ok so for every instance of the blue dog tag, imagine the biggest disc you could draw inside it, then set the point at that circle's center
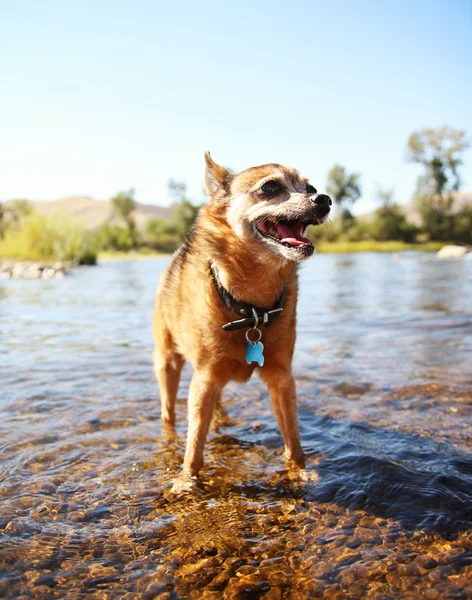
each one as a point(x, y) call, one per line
point(254, 353)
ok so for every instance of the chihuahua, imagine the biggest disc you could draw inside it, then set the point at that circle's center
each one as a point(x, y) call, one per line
point(227, 302)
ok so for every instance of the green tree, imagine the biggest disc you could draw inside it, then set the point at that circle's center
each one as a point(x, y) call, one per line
point(158, 227)
point(12, 213)
point(389, 222)
point(21, 207)
point(161, 235)
point(345, 189)
point(463, 225)
point(114, 237)
point(185, 211)
point(123, 205)
point(439, 151)
point(184, 217)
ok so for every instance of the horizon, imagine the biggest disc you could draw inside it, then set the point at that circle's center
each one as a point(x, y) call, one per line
point(175, 201)
point(106, 98)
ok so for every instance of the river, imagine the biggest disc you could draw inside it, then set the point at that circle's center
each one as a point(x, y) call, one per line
point(384, 374)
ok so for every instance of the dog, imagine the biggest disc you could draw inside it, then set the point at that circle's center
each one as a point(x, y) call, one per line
point(227, 302)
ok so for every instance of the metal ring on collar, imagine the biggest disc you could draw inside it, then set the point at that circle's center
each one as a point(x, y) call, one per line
point(258, 338)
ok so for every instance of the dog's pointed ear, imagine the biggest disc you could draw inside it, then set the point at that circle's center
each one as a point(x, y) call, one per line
point(217, 178)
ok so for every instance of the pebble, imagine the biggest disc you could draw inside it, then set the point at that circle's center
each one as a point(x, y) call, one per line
point(22, 525)
point(32, 270)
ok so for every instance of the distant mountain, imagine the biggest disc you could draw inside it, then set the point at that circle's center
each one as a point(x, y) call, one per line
point(94, 213)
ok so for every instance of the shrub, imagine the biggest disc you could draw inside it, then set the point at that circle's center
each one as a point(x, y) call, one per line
point(391, 224)
point(114, 237)
point(463, 225)
point(47, 237)
point(161, 235)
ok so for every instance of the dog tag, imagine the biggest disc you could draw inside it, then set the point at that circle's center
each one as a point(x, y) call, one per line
point(254, 353)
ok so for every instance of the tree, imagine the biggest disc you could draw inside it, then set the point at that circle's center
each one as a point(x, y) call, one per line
point(123, 205)
point(185, 212)
point(185, 215)
point(177, 189)
point(161, 234)
point(389, 222)
point(385, 197)
point(439, 151)
point(115, 237)
point(21, 207)
point(12, 213)
point(345, 189)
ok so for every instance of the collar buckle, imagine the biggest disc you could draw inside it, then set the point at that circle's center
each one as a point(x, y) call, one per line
point(254, 315)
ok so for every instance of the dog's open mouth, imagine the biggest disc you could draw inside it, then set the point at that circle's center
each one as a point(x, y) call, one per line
point(288, 233)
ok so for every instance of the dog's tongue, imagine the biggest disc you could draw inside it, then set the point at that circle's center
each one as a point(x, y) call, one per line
point(291, 235)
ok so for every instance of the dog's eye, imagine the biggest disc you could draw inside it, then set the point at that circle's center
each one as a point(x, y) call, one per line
point(271, 188)
point(310, 189)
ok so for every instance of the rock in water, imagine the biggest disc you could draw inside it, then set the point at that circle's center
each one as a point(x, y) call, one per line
point(452, 251)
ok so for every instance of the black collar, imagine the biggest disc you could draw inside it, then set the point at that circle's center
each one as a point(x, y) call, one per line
point(254, 316)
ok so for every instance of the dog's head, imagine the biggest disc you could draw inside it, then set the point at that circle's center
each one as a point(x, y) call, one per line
point(270, 205)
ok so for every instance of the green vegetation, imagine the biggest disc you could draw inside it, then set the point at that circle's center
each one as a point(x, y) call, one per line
point(11, 215)
point(26, 235)
point(131, 254)
point(344, 189)
point(159, 235)
point(374, 246)
point(115, 237)
point(439, 152)
point(52, 237)
point(166, 236)
point(123, 206)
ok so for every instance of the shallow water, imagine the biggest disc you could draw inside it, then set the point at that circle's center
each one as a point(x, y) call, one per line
point(384, 374)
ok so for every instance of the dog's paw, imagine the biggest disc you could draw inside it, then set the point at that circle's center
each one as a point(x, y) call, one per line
point(307, 476)
point(184, 484)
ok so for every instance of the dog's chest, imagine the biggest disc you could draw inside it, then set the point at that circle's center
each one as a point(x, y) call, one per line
point(235, 357)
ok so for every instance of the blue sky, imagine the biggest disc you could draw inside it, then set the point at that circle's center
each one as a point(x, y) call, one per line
point(101, 96)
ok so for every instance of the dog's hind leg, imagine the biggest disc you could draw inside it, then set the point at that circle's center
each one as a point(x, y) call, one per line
point(220, 416)
point(168, 365)
point(203, 396)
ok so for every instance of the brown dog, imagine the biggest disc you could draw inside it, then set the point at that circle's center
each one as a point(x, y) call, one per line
point(241, 255)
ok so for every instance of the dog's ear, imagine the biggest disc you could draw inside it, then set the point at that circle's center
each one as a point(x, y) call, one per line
point(217, 178)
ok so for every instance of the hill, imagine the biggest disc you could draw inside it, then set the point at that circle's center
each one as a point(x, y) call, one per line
point(94, 213)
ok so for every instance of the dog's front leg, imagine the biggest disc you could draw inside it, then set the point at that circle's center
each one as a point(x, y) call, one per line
point(283, 396)
point(202, 398)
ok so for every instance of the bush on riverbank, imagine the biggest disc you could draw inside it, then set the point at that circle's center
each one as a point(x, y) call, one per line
point(48, 237)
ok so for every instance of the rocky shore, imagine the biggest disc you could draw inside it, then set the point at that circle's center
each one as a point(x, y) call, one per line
point(11, 269)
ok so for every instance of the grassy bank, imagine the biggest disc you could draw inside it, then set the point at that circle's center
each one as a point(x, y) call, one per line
point(324, 247)
point(373, 246)
point(106, 255)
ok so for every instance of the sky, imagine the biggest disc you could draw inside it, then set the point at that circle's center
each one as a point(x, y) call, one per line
point(97, 97)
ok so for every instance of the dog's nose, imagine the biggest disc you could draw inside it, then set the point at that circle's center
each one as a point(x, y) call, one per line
point(322, 200)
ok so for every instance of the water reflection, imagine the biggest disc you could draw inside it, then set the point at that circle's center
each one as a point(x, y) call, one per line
point(383, 363)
